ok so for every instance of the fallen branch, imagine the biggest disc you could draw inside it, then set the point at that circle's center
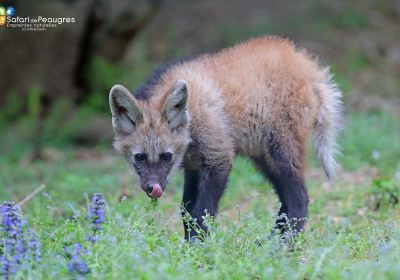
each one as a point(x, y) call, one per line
point(31, 195)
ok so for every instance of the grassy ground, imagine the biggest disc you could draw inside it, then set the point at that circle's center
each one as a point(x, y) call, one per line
point(353, 229)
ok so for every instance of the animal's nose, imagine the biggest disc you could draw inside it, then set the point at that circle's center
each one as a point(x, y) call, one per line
point(149, 187)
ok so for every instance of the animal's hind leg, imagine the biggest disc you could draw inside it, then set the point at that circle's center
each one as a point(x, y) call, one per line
point(284, 169)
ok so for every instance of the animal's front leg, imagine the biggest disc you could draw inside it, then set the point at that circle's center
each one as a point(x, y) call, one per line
point(211, 185)
point(190, 191)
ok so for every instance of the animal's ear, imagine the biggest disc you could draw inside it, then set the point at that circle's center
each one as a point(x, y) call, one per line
point(175, 106)
point(125, 111)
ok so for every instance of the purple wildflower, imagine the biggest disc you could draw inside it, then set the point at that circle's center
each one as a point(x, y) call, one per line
point(11, 222)
point(16, 246)
point(96, 215)
point(13, 250)
point(92, 238)
point(7, 267)
point(34, 247)
point(76, 264)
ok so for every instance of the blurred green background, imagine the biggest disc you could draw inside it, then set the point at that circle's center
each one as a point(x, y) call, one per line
point(54, 83)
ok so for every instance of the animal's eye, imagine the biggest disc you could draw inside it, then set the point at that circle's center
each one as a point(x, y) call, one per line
point(140, 157)
point(166, 156)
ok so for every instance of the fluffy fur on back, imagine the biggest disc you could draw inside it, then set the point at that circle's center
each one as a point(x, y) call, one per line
point(264, 84)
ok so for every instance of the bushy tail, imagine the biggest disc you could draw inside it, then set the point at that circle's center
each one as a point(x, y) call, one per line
point(328, 123)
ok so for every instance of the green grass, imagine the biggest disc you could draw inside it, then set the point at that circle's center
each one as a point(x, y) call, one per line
point(347, 236)
point(371, 139)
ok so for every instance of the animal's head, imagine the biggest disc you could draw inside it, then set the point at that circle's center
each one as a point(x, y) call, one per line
point(153, 138)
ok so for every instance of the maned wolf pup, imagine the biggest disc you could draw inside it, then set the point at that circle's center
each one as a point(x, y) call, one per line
point(261, 98)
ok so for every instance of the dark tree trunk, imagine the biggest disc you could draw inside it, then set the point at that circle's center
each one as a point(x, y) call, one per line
point(56, 60)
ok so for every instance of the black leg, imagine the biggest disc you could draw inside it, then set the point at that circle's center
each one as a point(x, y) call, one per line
point(294, 201)
point(211, 185)
point(190, 191)
point(292, 193)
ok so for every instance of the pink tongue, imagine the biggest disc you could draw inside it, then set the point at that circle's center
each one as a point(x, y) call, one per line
point(157, 191)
